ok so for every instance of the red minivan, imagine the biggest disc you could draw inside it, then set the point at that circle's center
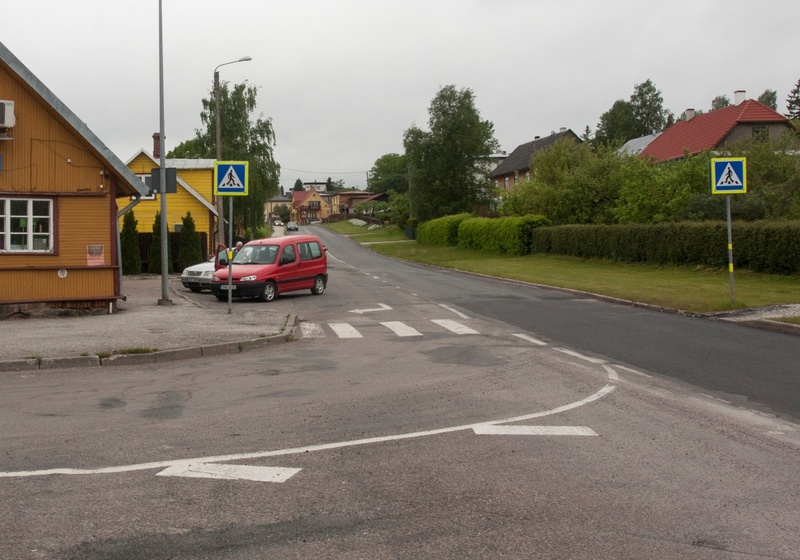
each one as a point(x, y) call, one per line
point(264, 268)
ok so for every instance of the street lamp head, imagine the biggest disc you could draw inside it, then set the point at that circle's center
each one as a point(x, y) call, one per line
point(245, 59)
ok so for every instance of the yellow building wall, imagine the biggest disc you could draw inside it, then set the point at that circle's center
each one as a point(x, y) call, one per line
point(201, 180)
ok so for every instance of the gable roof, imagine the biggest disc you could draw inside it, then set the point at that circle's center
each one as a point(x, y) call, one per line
point(184, 164)
point(520, 159)
point(635, 146)
point(128, 183)
point(709, 130)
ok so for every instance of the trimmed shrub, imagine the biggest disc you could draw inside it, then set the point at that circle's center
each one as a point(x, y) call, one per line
point(770, 247)
point(441, 231)
point(129, 241)
point(189, 250)
point(511, 235)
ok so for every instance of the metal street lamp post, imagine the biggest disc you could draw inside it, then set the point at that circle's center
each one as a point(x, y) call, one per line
point(220, 210)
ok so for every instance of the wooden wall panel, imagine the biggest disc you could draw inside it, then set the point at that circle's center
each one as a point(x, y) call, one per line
point(45, 285)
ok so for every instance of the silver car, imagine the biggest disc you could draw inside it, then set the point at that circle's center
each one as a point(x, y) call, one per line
point(198, 276)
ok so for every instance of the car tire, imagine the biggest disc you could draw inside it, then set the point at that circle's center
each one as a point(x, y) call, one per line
point(269, 293)
point(319, 285)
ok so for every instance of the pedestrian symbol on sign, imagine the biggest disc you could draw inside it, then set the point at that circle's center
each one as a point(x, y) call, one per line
point(230, 178)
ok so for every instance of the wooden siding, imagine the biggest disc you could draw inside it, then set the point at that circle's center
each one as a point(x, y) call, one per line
point(45, 156)
point(42, 285)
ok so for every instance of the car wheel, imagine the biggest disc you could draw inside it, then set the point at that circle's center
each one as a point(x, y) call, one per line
point(319, 286)
point(269, 292)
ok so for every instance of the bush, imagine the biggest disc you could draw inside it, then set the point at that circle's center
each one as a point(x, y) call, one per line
point(510, 235)
point(441, 231)
point(129, 241)
point(189, 250)
point(769, 247)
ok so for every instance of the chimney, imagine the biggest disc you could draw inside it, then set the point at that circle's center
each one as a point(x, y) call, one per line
point(689, 114)
point(739, 96)
point(156, 145)
point(562, 129)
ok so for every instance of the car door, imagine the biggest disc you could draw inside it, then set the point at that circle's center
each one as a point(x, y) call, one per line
point(289, 276)
point(312, 261)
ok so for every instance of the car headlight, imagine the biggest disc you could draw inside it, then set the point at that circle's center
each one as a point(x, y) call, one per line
point(249, 278)
point(215, 278)
point(208, 273)
point(185, 272)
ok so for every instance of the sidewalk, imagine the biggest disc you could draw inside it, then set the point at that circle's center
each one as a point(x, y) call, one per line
point(140, 323)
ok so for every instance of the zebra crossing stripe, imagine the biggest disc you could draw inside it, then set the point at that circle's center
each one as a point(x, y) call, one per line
point(453, 326)
point(312, 330)
point(345, 330)
point(401, 329)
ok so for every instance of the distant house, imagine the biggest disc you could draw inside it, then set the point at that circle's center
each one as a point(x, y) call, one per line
point(60, 192)
point(747, 118)
point(516, 167)
point(308, 206)
point(195, 188)
point(344, 203)
point(271, 206)
point(635, 146)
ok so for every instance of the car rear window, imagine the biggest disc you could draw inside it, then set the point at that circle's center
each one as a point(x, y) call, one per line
point(309, 250)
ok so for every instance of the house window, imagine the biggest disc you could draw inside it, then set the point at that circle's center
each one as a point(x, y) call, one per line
point(760, 133)
point(147, 180)
point(506, 183)
point(26, 225)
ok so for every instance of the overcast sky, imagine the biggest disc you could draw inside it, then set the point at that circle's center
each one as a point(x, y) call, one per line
point(343, 79)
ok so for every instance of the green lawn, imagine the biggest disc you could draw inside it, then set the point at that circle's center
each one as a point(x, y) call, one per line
point(695, 290)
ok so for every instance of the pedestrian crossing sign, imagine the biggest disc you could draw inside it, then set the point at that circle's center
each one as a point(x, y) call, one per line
point(231, 178)
point(728, 175)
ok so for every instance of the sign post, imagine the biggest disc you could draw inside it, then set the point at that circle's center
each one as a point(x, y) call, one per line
point(729, 176)
point(231, 178)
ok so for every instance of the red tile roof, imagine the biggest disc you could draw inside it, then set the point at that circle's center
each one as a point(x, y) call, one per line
point(707, 131)
point(298, 197)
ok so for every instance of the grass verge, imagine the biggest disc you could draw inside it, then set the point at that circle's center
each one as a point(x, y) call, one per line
point(696, 290)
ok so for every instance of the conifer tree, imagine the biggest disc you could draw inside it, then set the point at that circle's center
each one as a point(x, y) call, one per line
point(189, 251)
point(129, 241)
point(154, 259)
point(793, 103)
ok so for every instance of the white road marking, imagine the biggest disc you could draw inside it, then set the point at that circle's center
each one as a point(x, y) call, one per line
point(581, 356)
point(456, 311)
point(633, 371)
point(530, 339)
point(312, 330)
point(452, 326)
point(534, 430)
point(381, 307)
point(309, 448)
point(401, 329)
point(345, 330)
point(230, 472)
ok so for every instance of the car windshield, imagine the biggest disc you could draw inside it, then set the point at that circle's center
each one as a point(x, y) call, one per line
point(256, 254)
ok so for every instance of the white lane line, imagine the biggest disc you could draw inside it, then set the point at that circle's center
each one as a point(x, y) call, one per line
point(456, 311)
point(581, 356)
point(452, 326)
point(633, 371)
point(309, 448)
point(230, 472)
point(312, 330)
point(530, 339)
point(401, 329)
point(345, 330)
point(534, 430)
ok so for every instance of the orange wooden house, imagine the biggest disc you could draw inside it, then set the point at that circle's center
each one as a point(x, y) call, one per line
point(59, 189)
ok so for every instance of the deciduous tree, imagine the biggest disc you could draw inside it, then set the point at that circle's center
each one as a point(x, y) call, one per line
point(389, 173)
point(449, 165)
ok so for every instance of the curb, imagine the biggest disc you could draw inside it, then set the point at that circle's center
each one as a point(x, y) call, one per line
point(162, 356)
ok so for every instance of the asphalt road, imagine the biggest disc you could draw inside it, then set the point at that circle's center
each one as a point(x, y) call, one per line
point(428, 431)
point(748, 367)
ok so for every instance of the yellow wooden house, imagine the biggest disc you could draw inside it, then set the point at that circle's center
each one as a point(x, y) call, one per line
point(195, 194)
point(60, 191)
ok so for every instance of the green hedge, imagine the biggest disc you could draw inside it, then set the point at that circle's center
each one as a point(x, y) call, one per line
point(771, 247)
point(441, 231)
point(510, 235)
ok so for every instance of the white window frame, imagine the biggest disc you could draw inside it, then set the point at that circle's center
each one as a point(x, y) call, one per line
point(35, 241)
